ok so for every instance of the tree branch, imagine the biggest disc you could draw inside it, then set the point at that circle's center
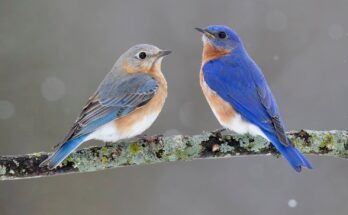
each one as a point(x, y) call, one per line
point(149, 150)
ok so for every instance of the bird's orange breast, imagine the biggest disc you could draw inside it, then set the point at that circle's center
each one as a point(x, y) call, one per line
point(223, 111)
point(126, 123)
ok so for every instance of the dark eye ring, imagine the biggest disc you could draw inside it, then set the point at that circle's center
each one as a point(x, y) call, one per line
point(142, 55)
point(222, 35)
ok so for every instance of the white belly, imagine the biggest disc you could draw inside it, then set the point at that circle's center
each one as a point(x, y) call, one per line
point(238, 124)
point(140, 126)
point(241, 126)
point(110, 133)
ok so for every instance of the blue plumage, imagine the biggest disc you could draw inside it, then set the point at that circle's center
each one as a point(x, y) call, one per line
point(64, 150)
point(237, 79)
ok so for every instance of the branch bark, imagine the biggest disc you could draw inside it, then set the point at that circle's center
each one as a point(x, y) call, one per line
point(149, 150)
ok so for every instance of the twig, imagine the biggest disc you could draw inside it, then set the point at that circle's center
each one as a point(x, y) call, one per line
point(149, 150)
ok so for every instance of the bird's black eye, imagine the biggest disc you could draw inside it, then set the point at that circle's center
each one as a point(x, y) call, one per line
point(142, 55)
point(222, 35)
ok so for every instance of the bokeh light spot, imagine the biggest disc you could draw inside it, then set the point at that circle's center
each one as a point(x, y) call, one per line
point(292, 203)
point(52, 89)
point(7, 109)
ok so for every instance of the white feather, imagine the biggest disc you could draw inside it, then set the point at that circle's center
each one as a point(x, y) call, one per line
point(110, 133)
point(238, 124)
point(241, 126)
point(106, 133)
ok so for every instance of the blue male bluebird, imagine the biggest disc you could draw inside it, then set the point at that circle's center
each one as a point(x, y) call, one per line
point(126, 103)
point(238, 93)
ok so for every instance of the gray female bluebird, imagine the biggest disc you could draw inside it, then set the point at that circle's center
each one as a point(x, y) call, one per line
point(126, 103)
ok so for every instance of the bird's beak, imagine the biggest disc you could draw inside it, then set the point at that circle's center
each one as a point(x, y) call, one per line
point(206, 33)
point(163, 53)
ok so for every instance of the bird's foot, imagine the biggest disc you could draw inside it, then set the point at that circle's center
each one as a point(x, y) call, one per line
point(219, 131)
point(148, 139)
point(109, 144)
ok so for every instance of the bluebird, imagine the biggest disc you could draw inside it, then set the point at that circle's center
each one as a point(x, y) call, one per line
point(238, 93)
point(126, 103)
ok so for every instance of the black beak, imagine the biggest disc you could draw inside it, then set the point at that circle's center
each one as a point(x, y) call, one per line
point(163, 53)
point(206, 32)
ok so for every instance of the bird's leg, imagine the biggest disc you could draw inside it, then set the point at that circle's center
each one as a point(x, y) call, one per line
point(146, 138)
point(219, 131)
point(109, 144)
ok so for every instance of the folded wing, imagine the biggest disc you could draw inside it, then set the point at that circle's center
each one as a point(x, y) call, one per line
point(116, 97)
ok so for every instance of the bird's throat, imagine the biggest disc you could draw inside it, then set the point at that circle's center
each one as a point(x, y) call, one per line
point(211, 52)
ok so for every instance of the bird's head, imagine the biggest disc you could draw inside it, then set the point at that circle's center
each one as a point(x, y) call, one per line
point(142, 58)
point(219, 40)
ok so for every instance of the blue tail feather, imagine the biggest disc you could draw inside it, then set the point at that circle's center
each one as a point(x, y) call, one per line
point(293, 156)
point(63, 151)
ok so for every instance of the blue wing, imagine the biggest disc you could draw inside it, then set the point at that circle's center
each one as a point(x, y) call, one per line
point(116, 97)
point(242, 84)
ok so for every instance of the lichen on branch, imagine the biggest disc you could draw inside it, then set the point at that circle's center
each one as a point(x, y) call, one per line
point(155, 149)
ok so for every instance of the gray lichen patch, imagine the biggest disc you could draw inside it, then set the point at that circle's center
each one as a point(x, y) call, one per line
point(180, 147)
point(173, 148)
point(2, 170)
point(253, 144)
point(321, 142)
point(225, 148)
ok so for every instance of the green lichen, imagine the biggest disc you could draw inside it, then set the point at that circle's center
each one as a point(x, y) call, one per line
point(104, 150)
point(228, 137)
point(299, 143)
point(181, 155)
point(69, 159)
point(171, 146)
point(37, 154)
point(134, 148)
point(182, 148)
point(252, 144)
point(328, 142)
point(336, 143)
point(193, 151)
point(105, 160)
point(259, 143)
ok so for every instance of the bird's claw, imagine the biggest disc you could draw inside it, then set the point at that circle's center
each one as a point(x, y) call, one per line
point(219, 130)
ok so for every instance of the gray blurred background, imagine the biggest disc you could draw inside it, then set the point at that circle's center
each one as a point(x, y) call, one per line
point(53, 54)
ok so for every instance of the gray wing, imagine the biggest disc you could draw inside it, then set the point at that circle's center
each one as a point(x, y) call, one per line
point(116, 96)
